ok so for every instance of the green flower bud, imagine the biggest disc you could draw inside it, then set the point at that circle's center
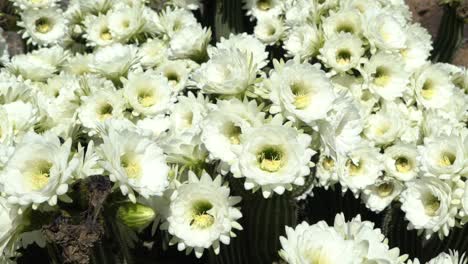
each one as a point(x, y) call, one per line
point(135, 215)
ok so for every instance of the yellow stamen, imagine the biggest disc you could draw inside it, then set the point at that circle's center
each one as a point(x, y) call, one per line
point(328, 163)
point(39, 174)
point(43, 25)
point(264, 5)
point(385, 189)
point(131, 166)
point(270, 159)
point(354, 169)
point(431, 205)
point(403, 165)
point(447, 159)
point(146, 99)
point(427, 91)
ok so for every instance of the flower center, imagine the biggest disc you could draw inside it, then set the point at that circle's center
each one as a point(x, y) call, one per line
point(43, 25)
point(301, 95)
point(233, 133)
point(201, 219)
point(353, 168)
point(173, 77)
point(105, 34)
point(105, 111)
point(431, 205)
point(126, 24)
point(328, 163)
point(39, 174)
point(345, 28)
point(146, 98)
point(343, 57)
point(381, 76)
point(382, 129)
point(427, 91)
point(447, 159)
point(131, 165)
point(264, 5)
point(270, 159)
point(316, 256)
point(385, 189)
point(403, 165)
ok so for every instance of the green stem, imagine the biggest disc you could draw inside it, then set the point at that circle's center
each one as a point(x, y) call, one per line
point(449, 36)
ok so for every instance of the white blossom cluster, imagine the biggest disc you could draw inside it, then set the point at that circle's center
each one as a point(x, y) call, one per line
point(350, 242)
point(392, 125)
point(116, 88)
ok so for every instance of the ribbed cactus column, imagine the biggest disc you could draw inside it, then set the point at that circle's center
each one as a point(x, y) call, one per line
point(450, 35)
point(264, 221)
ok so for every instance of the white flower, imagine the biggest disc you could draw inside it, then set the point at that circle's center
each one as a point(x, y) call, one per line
point(10, 226)
point(190, 43)
point(152, 53)
point(274, 158)
point(298, 12)
point(79, 64)
point(44, 26)
point(316, 243)
point(303, 42)
point(442, 156)
point(326, 171)
point(385, 31)
point(172, 21)
point(386, 76)
point(187, 4)
point(87, 162)
point(427, 206)
point(177, 73)
point(452, 258)
point(401, 161)
point(433, 87)
point(115, 60)
point(262, 8)
point(39, 64)
point(125, 23)
point(224, 125)
point(38, 171)
point(247, 44)
point(360, 169)
point(100, 106)
point(185, 151)
point(6, 128)
point(155, 127)
point(21, 116)
point(97, 32)
point(342, 52)
point(344, 21)
point(187, 115)
point(301, 91)
point(95, 6)
point(385, 126)
point(269, 30)
point(378, 196)
point(202, 214)
point(341, 131)
point(370, 245)
point(34, 4)
point(418, 47)
point(148, 93)
point(135, 164)
point(228, 72)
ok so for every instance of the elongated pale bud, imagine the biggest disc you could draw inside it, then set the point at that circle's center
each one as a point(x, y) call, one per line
point(135, 215)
